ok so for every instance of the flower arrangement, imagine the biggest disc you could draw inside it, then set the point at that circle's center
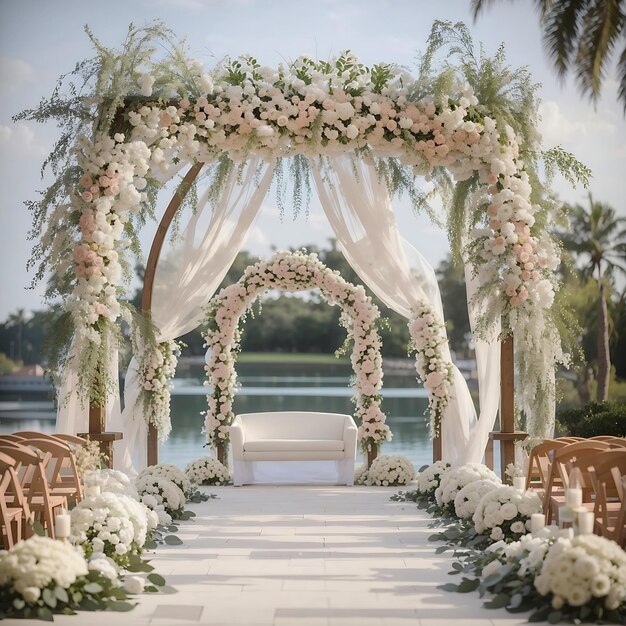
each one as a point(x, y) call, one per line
point(468, 498)
point(40, 576)
point(207, 471)
point(156, 369)
point(294, 271)
point(109, 523)
point(112, 481)
point(430, 477)
point(169, 471)
point(506, 512)
point(360, 474)
point(457, 478)
point(432, 362)
point(88, 457)
point(388, 471)
point(585, 571)
point(164, 491)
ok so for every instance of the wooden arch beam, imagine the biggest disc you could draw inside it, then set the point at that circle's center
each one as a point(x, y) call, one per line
point(148, 279)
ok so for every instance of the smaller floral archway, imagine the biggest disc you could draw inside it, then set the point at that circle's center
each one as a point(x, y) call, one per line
point(294, 271)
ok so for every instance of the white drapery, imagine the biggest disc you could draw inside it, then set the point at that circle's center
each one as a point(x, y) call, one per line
point(185, 281)
point(358, 206)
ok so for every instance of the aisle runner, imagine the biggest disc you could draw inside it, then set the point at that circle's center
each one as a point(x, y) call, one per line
point(296, 556)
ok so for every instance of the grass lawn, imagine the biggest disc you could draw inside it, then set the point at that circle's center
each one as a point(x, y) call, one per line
point(288, 357)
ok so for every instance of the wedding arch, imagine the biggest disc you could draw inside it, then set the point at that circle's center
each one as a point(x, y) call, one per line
point(294, 271)
point(361, 134)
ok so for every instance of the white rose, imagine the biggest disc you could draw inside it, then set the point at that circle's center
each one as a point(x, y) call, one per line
point(497, 534)
point(518, 527)
point(31, 594)
point(508, 510)
point(133, 584)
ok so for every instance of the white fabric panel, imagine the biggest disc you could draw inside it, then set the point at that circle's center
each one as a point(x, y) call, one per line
point(297, 445)
point(359, 209)
point(188, 276)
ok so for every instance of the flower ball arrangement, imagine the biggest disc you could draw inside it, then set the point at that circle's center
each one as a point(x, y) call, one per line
point(457, 478)
point(207, 471)
point(468, 498)
point(429, 479)
point(505, 512)
point(169, 471)
point(388, 471)
point(164, 491)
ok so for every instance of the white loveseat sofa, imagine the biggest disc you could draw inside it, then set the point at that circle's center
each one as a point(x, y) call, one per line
point(292, 436)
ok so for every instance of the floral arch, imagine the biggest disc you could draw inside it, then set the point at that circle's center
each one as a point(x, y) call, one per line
point(362, 134)
point(294, 271)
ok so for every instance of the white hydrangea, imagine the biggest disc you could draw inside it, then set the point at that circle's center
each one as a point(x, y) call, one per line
point(468, 498)
point(207, 471)
point(112, 481)
point(577, 571)
point(360, 475)
point(167, 470)
point(164, 491)
point(506, 512)
point(387, 471)
point(100, 562)
point(111, 523)
point(429, 479)
point(458, 477)
point(33, 564)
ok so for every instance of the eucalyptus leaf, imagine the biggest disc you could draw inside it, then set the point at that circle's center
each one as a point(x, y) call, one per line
point(555, 617)
point(49, 597)
point(468, 584)
point(499, 601)
point(61, 595)
point(45, 614)
point(448, 587)
point(172, 540)
point(18, 603)
point(156, 579)
point(168, 590)
point(121, 607)
point(93, 588)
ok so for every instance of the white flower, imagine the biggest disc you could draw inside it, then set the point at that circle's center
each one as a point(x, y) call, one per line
point(31, 595)
point(164, 491)
point(146, 82)
point(390, 471)
point(428, 480)
point(134, 584)
point(459, 477)
point(167, 470)
point(207, 471)
point(468, 497)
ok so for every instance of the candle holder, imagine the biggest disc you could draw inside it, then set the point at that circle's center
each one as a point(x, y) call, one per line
point(519, 482)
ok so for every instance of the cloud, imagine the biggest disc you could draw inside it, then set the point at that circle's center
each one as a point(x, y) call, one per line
point(20, 141)
point(15, 73)
point(555, 127)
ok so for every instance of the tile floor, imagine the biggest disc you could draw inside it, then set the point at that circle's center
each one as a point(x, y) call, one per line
point(303, 556)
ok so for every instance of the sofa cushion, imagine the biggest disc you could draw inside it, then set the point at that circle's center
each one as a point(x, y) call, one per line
point(293, 425)
point(292, 445)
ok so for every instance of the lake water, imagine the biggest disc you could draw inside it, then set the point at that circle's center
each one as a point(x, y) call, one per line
point(265, 387)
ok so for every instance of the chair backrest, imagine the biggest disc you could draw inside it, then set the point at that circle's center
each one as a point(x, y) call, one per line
point(563, 458)
point(540, 460)
point(29, 469)
point(71, 439)
point(11, 437)
point(58, 455)
point(617, 442)
point(10, 484)
point(608, 477)
point(30, 434)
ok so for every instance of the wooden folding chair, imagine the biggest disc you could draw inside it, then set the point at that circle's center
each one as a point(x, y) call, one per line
point(15, 515)
point(11, 437)
point(74, 440)
point(59, 457)
point(539, 463)
point(608, 477)
point(32, 479)
point(554, 494)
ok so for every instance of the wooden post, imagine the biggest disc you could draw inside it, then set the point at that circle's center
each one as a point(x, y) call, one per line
point(437, 451)
point(97, 432)
point(371, 456)
point(507, 402)
point(148, 279)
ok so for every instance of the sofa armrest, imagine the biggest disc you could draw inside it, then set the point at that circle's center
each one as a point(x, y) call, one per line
point(350, 432)
point(237, 437)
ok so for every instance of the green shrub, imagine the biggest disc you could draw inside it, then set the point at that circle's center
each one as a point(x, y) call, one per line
point(597, 418)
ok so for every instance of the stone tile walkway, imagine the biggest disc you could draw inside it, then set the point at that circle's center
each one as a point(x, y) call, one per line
point(304, 556)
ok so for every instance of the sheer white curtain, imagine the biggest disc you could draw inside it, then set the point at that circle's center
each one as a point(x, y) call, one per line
point(359, 209)
point(186, 279)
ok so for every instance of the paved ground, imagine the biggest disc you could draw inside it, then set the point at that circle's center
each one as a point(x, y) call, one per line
point(304, 556)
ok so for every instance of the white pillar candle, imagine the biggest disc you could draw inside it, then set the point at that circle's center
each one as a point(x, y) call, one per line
point(586, 521)
point(519, 482)
point(573, 497)
point(537, 522)
point(62, 525)
point(92, 490)
point(566, 515)
point(566, 533)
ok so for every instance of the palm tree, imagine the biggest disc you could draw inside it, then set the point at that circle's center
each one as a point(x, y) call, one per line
point(581, 35)
point(598, 239)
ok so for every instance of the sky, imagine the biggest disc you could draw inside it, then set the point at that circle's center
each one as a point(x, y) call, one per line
point(41, 39)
